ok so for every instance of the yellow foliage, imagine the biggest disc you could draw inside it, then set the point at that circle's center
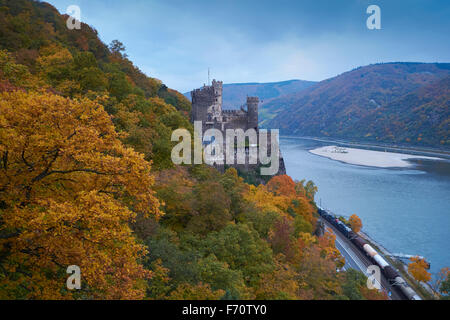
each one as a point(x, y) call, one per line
point(418, 269)
point(279, 284)
point(265, 200)
point(355, 223)
point(68, 186)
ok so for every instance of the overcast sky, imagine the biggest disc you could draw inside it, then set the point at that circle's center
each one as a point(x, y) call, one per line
point(265, 41)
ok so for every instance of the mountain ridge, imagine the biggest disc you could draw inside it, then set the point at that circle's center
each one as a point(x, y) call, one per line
point(336, 107)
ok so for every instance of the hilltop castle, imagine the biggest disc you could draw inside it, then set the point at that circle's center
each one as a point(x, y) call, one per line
point(207, 108)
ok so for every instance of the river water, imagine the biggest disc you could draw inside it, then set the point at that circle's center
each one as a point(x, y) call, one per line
point(405, 210)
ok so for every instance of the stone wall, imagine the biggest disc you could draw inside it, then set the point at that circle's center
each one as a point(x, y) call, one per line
point(207, 107)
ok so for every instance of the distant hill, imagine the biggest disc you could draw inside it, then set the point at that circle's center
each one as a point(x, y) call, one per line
point(402, 103)
point(235, 94)
point(419, 117)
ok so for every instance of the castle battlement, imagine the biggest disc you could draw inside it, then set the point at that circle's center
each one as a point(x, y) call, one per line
point(236, 112)
point(207, 107)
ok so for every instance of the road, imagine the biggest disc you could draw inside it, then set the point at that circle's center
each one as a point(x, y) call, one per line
point(357, 260)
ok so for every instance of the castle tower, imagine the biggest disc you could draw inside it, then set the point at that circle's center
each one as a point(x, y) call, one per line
point(218, 89)
point(252, 112)
point(207, 103)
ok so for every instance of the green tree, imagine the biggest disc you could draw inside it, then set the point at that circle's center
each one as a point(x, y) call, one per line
point(211, 208)
point(118, 48)
point(219, 276)
point(242, 249)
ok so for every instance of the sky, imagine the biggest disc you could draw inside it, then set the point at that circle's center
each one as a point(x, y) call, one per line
point(240, 41)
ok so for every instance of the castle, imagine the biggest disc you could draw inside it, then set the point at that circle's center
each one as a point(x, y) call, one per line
point(207, 108)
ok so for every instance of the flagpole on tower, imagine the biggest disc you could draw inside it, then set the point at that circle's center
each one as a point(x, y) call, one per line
point(208, 78)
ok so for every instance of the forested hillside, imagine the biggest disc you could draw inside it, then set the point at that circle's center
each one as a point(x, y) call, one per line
point(86, 179)
point(401, 103)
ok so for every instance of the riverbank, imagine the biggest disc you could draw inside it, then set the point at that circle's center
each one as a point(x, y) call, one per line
point(416, 150)
point(369, 158)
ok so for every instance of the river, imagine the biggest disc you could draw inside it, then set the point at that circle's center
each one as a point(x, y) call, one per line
point(406, 210)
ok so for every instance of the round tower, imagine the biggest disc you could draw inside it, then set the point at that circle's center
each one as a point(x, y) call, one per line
point(252, 112)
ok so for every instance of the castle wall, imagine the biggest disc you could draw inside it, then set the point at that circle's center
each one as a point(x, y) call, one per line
point(202, 99)
point(207, 107)
point(240, 123)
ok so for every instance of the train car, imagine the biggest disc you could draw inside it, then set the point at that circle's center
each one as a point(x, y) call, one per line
point(335, 222)
point(369, 250)
point(390, 273)
point(348, 231)
point(380, 261)
point(359, 242)
point(406, 289)
point(344, 229)
point(352, 235)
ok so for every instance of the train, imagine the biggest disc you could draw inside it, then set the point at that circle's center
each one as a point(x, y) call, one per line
point(389, 272)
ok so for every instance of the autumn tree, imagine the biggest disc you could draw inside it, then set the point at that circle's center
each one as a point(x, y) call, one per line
point(280, 284)
point(175, 188)
point(211, 208)
point(282, 185)
point(311, 190)
point(201, 291)
point(280, 237)
point(16, 74)
point(159, 284)
point(68, 190)
point(307, 190)
point(329, 250)
point(444, 282)
point(355, 287)
point(418, 269)
point(355, 223)
point(317, 276)
point(235, 188)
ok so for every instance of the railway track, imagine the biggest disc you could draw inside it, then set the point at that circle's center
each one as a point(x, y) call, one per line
point(360, 261)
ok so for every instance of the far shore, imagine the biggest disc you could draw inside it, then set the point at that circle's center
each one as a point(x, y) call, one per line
point(420, 150)
point(368, 158)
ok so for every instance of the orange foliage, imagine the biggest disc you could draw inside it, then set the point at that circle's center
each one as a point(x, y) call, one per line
point(282, 185)
point(417, 268)
point(355, 223)
point(327, 244)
